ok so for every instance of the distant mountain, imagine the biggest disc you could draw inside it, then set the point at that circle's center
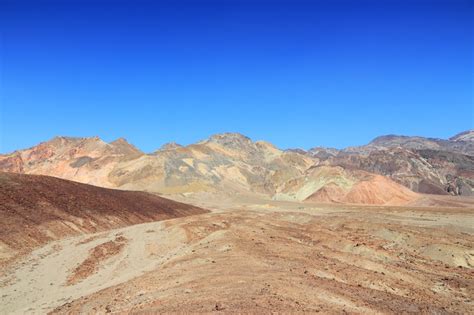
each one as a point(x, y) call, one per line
point(87, 160)
point(426, 171)
point(336, 184)
point(464, 136)
point(231, 163)
point(458, 144)
point(225, 163)
point(426, 165)
point(169, 146)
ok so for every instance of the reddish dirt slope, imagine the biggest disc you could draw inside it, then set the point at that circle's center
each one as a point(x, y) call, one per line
point(379, 190)
point(370, 190)
point(36, 209)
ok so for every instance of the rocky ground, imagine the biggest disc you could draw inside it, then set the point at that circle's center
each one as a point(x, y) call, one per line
point(258, 257)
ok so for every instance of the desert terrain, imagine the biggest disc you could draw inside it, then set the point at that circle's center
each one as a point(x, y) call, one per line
point(233, 225)
point(256, 256)
point(236, 157)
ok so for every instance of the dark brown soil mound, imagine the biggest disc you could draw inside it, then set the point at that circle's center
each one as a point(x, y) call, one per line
point(96, 256)
point(36, 209)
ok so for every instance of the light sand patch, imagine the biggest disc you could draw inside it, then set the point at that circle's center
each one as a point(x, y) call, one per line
point(449, 254)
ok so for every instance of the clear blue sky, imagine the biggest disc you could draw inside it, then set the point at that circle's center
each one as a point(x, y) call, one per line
point(296, 73)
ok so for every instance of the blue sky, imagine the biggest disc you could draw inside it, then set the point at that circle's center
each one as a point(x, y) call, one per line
point(296, 73)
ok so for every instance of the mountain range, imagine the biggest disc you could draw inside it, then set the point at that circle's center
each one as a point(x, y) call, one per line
point(390, 170)
point(243, 227)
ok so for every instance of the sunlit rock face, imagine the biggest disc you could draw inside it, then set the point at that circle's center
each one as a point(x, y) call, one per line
point(233, 164)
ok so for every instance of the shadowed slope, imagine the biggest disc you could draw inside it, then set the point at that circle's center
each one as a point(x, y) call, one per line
point(36, 209)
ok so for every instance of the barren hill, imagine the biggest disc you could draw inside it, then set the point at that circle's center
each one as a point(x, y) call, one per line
point(336, 184)
point(86, 160)
point(460, 143)
point(36, 209)
point(424, 165)
point(225, 163)
point(467, 135)
point(230, 163)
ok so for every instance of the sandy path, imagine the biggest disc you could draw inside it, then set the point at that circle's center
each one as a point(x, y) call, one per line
point(39, 282)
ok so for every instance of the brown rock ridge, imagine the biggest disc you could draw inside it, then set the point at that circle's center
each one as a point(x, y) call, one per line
point(37, 209)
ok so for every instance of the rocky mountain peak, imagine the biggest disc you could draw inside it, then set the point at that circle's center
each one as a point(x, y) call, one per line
point(120, 141)
point(386, 139)
point(467, 135)
point(231, 139)
point(122, 146)
point(170, 146)
point(62, 140)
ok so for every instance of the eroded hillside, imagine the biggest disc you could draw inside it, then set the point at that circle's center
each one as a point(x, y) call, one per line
point(230, 163)
point(37, 209)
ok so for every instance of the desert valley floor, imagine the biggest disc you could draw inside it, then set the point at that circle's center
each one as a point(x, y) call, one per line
point(256, 256)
